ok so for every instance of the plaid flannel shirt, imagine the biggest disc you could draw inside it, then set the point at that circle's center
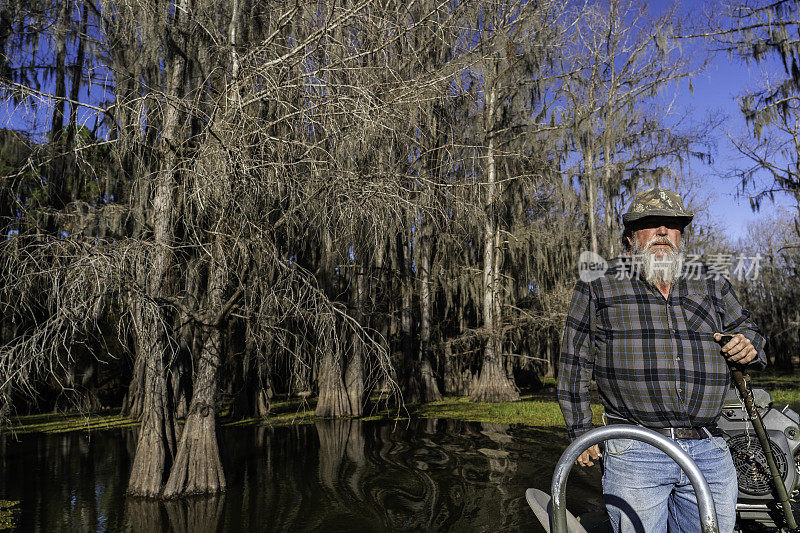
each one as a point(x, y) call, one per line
point(655, 360)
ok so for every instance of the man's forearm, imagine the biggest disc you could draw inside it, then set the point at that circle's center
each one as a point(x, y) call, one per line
point(577, 412)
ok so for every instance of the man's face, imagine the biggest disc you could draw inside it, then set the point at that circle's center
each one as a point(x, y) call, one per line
point(656, 230)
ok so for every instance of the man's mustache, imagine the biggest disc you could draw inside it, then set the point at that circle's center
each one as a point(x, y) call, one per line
point(659, 240)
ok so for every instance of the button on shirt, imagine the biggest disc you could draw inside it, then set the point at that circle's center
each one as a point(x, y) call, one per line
point(654, 359)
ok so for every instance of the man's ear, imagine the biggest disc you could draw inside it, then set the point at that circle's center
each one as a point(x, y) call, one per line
point(629, 238)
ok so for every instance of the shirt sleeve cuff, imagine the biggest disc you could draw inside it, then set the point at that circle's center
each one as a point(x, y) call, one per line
point(760, 362)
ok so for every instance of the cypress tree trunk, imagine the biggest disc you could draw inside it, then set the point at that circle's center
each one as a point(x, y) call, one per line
point(457, 379)
point(262, 373)
point(333, 400)
point(57, 187)
point(242, 383)
point(380, 316)
point(354, 373)
point(189, 344)
point(429, 388)
point(88, 390)
point(301, 378)
point(264, 391)
point(591, 194)
point(492, 384)
point(449, 367)
point(179, 376)
point(612, 236)
point(412, 389)
point(77, 70)
point(133, 403)
point(156, 443)
point(197, 468)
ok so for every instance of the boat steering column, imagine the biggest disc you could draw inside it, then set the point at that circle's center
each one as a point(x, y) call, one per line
point(553, 515)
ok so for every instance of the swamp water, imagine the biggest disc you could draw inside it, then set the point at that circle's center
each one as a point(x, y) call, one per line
point(333, 475)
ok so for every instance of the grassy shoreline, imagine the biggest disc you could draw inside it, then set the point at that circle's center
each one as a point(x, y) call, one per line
point(535, 409)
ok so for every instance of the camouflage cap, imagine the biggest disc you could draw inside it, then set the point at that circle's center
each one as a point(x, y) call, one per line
point(656, 202)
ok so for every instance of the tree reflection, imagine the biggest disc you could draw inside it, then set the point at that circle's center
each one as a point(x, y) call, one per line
point(399, 485)
point(501, 469)
point(195, 515)
point(333, 475)
point(333, 437)
point(143, 515)
point(201, 514)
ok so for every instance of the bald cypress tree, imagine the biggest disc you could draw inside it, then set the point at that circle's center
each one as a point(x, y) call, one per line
point(518, 45)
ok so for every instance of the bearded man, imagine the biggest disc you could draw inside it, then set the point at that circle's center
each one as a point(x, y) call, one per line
point(649, 337)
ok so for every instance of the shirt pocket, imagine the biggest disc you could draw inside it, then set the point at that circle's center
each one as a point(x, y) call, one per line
point(615, 317)
point(699, 314)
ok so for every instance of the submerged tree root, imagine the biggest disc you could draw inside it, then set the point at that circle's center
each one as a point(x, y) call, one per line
point(197, 468)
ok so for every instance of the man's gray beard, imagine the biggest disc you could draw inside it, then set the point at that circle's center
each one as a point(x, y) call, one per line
point(664, 270)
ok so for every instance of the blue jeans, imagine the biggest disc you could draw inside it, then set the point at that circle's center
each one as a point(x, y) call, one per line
point(647, 492)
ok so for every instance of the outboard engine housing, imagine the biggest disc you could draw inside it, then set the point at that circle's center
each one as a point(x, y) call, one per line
point(756, 493)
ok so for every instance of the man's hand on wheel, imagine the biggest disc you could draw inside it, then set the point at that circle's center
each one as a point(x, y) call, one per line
point(590, 456)
point(739, 349)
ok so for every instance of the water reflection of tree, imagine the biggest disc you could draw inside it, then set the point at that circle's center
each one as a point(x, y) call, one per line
point(501, 466)
point(272, 468)
point(474, 497)
point(66, 482)
point(195, 515)
point(143, 515)
point(86, 474)
point(74, 456)
point(501, 469)
point(335, 475)
point(342, 467)
point(334, 442)
point(190, 515)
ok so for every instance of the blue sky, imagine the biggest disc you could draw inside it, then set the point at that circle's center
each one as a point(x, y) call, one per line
point(716, 91)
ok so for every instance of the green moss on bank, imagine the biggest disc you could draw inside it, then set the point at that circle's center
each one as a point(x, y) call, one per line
point(537, 409)
point(786, 397)
point(8, 514)
point(64, 422)
point(283, 419)
point(282, 413)
point(529, 411)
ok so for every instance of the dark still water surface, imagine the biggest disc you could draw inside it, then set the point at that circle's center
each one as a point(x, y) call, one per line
point(338, 475)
